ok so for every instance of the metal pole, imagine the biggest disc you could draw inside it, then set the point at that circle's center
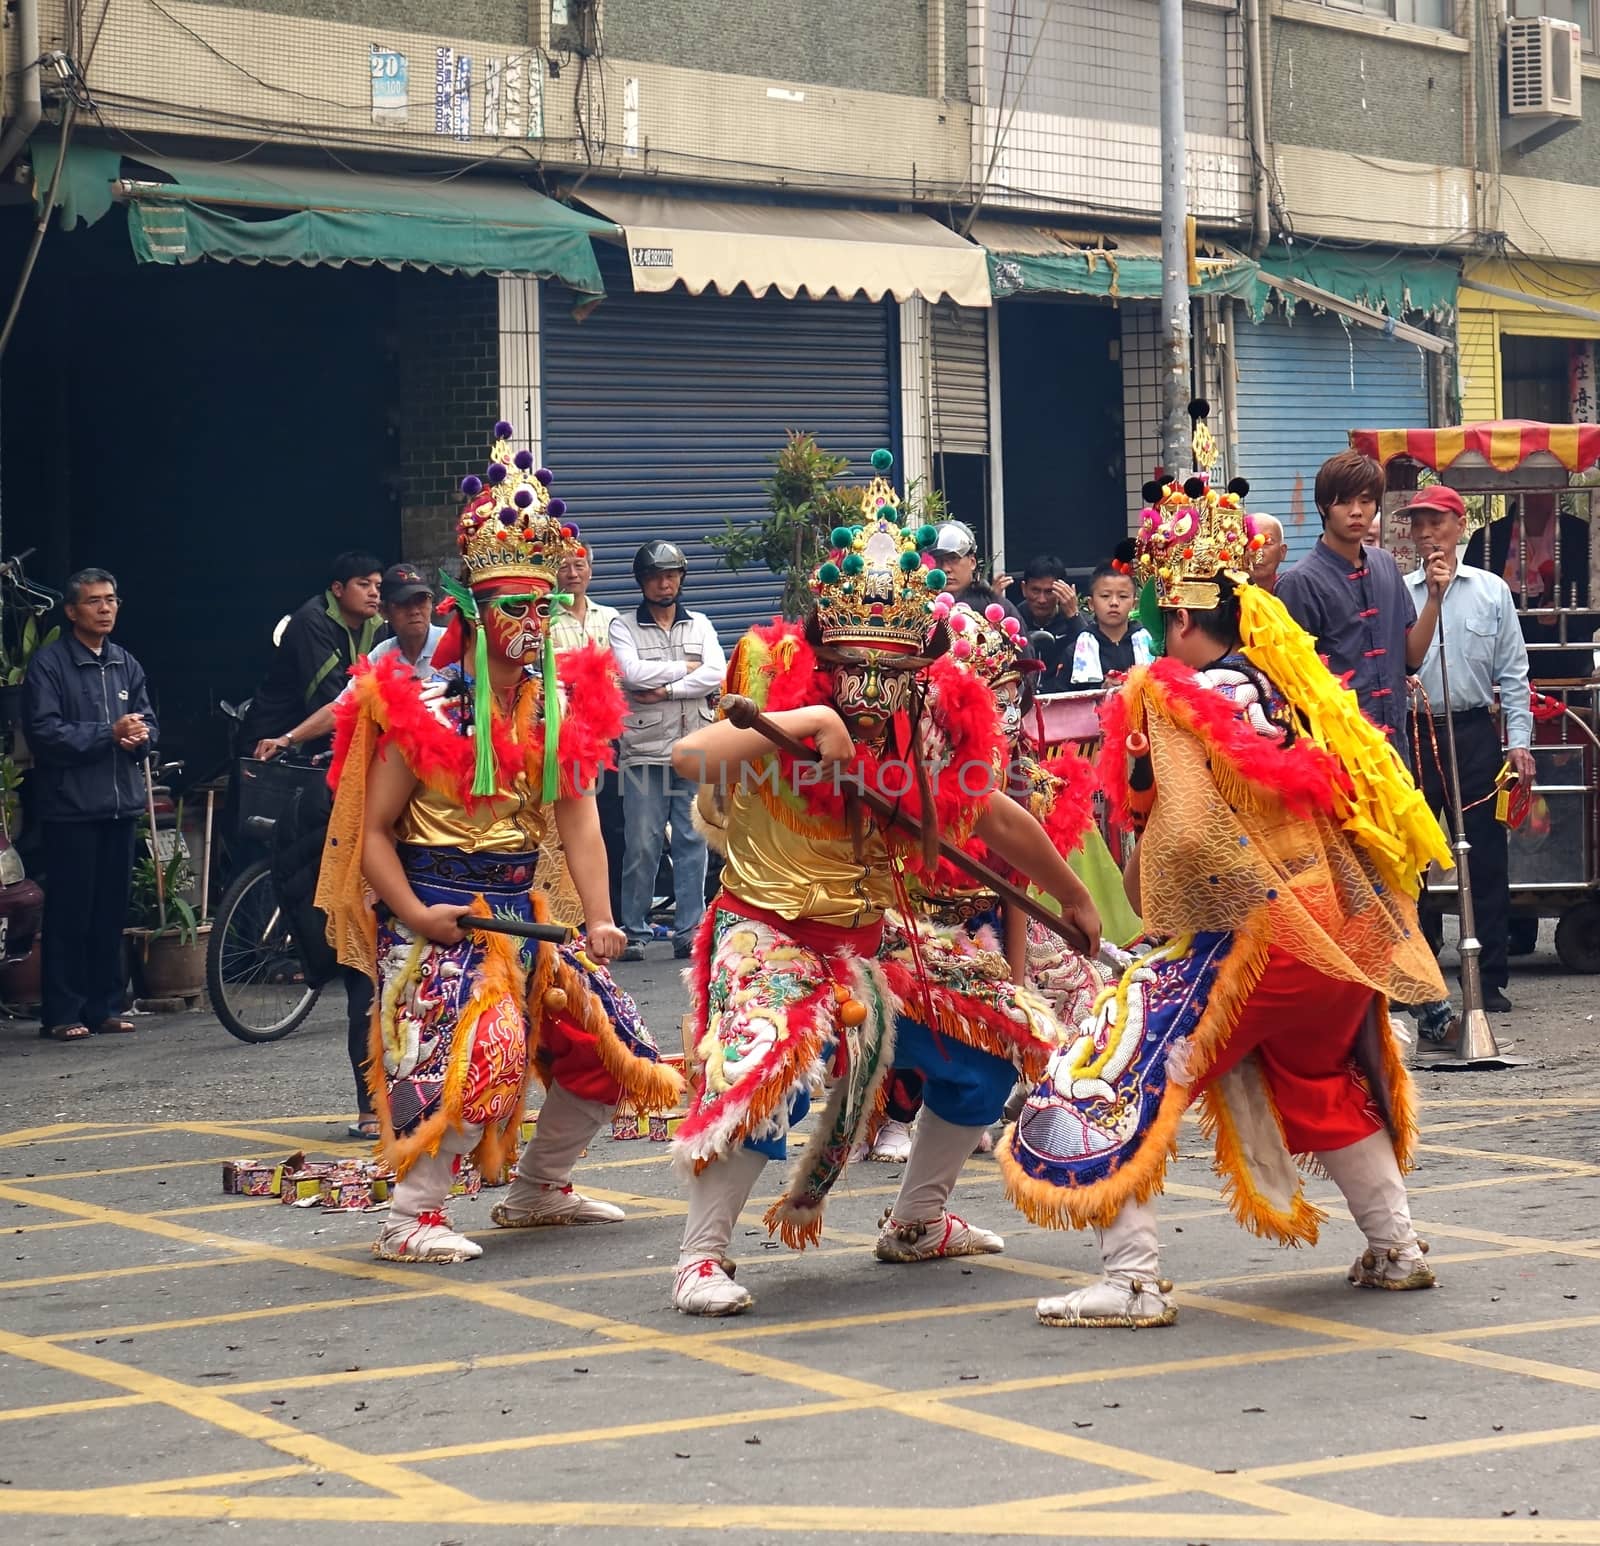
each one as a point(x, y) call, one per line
point(1475, 1047)
point(1175, 393)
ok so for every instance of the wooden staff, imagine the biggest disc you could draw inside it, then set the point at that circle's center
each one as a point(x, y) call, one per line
point(743, 713)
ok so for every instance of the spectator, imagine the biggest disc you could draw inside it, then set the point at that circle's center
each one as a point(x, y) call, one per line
point(1271, 554)
point(671, 662)
point(406, 601)
point(324, 638)
point(582, 621)
point(1486, 652)
point(87, 713)
point(1109, 644)
point(1049, 602)
point(955, 551)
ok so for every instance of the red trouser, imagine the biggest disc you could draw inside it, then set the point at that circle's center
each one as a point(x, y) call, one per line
point(571, 1056)
point(1303, 1026)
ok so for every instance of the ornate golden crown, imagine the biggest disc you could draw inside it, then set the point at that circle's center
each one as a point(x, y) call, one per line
point(988, 643)
point(512, 528)
point(874, 590)
point(1189, 533)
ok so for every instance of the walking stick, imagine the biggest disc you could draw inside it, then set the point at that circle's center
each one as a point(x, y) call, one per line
point(1475, 1044)
point(742, 712)
point(155, 838)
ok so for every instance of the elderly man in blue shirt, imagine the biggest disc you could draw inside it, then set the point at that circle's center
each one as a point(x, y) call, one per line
point(1486, 653)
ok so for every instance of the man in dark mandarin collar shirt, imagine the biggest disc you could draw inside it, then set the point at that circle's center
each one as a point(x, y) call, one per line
point(1352, 600)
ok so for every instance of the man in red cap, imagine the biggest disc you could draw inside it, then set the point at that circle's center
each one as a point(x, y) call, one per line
point(1486, 654)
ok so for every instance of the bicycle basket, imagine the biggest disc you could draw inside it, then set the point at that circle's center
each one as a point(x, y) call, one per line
point(267, 789)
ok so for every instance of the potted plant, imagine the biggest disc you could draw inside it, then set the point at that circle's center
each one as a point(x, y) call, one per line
point(170, 938)
point(14, 666)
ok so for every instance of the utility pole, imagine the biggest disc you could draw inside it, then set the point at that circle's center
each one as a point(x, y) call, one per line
point(1175, 394)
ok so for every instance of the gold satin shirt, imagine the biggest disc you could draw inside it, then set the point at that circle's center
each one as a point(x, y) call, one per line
point(515, 823)
point(809, 876)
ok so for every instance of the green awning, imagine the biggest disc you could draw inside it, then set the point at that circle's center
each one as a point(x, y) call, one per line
point(1395, 283)
point(1039, 260)
point(290, 214)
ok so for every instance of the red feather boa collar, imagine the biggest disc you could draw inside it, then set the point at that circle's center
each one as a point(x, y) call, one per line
point(962, 716)
point(1301, 776)
point(430, 739)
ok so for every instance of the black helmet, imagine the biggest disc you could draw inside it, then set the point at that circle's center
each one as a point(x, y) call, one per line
point(660, 557)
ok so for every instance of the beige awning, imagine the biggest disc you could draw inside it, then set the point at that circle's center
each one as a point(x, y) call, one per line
point(697, 242)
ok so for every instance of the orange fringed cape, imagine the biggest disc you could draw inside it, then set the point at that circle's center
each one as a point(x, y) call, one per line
point(1246, 840)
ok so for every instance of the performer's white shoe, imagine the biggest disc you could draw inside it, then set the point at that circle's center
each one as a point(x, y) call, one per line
point(533, 1204)
point(706, 1287)
point(892, 1146)
point(1130, 1294)
point(928, 1239)
point(1368, 1175)
point(429, 1237)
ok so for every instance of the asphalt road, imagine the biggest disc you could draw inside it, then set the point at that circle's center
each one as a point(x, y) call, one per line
point(176, 1364)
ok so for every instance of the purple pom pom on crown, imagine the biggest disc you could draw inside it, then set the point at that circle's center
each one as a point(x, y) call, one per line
point(495, 472)
point(523, 459)
point(572, 526)
point(544, 475)
point(558, 507)
point(522, 498)
point(508, 516)
point(503, 430)
point(472, 485)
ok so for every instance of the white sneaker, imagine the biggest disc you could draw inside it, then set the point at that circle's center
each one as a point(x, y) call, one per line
point(1131, 1302)
point(430, 1237)
point(533, 1204)
point(947, 1235)
point(1400, 1270)
point(706, 1287)
point(892, 1146)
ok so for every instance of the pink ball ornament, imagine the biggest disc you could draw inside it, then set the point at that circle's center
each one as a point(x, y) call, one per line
point(961, 649)
point(1012, 627)
point(994, 611)
point(958, 622)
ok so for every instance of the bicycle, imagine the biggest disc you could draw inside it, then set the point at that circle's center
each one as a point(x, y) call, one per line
point(255, 968)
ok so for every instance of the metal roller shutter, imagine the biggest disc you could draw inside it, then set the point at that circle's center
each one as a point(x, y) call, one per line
point(958, 407)
point(662, 412)
point(1301, 388)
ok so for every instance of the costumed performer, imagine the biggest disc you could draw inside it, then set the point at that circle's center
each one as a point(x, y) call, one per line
point(443, 795)
point(787, 990)
point(964, 917)
point(1280, 855)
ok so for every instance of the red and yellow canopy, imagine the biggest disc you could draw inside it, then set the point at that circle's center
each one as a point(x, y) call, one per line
point(1503, 443)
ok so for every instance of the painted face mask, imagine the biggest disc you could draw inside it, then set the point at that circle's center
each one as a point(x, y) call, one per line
point(870, 691)
point(1008, 696)
point(515, 627)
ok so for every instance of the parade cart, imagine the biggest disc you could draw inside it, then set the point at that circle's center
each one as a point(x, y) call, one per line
point(1065, 724)
point(1530, 491)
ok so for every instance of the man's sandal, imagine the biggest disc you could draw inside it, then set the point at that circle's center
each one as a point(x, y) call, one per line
point(73, 1032)
point(115, 1027)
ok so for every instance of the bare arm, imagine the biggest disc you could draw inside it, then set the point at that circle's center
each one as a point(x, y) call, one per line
point(719, 753)
point(1014, 834)
point(578, 823)
point(389, 785)
point(1132, 888)
point(1016, 932)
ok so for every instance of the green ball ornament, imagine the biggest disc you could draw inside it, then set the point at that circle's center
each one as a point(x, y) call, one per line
point(841, 536)
point(909, 561)
point(854, 563)
point(882, 460)
point(934, 579)
point(828, 574)
point(926, 536)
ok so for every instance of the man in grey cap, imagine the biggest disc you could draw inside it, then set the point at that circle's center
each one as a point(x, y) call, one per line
point(955, 551)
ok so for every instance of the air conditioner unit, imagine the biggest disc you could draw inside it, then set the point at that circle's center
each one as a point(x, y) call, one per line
point(1544, 74)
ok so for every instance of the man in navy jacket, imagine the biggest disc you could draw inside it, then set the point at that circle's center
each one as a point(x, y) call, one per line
point(89, 725)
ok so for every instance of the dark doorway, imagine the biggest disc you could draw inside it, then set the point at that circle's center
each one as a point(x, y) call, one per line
point(1533, 378)
point(212, 434)
point(1061, 432)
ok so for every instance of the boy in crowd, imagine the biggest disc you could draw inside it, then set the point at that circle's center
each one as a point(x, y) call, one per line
point(1108, 644)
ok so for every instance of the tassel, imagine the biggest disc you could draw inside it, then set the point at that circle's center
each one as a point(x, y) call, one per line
point(483, 768)
point(552, 704)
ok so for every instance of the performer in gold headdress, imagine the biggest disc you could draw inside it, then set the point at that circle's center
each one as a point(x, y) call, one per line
point(1280, 850)
point(444, 793)
point(787, 989)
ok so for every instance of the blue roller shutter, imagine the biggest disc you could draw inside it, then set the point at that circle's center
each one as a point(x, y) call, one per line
point(1302, 387)
point(661, 414)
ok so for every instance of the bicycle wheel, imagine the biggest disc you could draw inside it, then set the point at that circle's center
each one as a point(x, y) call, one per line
point(258, 987)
